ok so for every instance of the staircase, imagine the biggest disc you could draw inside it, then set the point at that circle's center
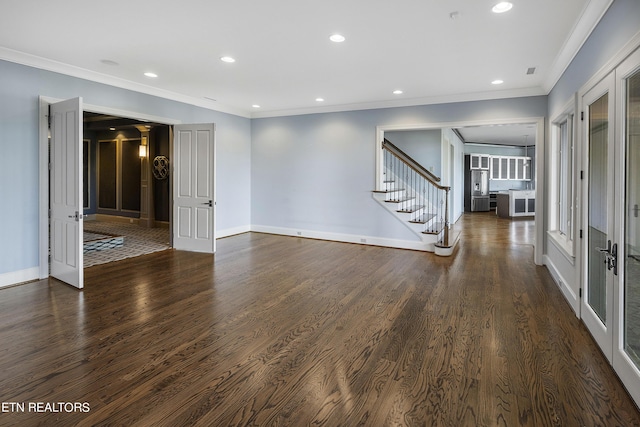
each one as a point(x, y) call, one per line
point(414, 196)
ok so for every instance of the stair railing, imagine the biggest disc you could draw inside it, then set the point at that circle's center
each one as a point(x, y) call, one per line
point(403, 172)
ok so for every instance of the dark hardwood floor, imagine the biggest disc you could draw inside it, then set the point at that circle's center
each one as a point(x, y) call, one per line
point(277, 330)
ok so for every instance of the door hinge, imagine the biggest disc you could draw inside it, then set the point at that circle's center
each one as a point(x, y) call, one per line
point(581, 115)
point(49, 117)
point(581, 233)
point(580, 292)
point(581, 174)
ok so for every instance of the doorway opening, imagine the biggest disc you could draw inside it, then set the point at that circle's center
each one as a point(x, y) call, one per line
point(503, 140)
point(126, 188)
point(61, 216)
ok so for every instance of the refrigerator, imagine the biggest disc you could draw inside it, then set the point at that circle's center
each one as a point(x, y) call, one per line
point(477, 190)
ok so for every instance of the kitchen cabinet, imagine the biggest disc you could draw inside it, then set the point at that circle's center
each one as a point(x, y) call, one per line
point(516, 203)
point(510, 168)
point(480, 161)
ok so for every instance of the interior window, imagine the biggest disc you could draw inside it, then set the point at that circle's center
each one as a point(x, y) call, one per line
point(565, 172)
point(562, 178)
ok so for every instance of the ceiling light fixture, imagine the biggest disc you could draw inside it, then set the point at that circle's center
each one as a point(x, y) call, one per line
point(503, 6)
point(397, 92)
point(151, 75)
point(227, 59)
point(319, 99)
point(112, 128)
point(497, 82)
point(337, 38)
point(255, 106)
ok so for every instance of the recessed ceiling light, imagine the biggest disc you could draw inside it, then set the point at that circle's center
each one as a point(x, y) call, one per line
point(497, 82)
point(227, 59)
point(319, 99)
point(502, 7)
point(337, 38)
point(152, 75)
point(255, 106)
point(397, 92)
point(112, 128)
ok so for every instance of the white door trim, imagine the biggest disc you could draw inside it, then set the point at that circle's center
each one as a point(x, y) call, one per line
point(43, 135)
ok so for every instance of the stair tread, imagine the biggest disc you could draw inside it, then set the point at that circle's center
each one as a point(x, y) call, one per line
point(423, 219)
point(395, 190)
point(404, 199)
point(436, 229)
point(411, 209)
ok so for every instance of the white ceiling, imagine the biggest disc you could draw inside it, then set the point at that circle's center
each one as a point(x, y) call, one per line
point(284, 59)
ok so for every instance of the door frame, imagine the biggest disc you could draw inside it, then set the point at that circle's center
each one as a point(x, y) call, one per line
point(43, 136)
point(626, 369)
point(540, 164)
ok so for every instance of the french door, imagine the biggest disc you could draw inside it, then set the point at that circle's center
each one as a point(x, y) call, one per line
point(597, 298)
point(626, 343)
point(611, 219)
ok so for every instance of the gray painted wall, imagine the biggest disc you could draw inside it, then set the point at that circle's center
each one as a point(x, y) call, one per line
point(20, 87)
point(316, 172)
point(619, 24)
point(616, 28)
point(424, 146)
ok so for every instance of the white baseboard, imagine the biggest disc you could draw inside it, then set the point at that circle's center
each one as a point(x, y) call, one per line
point(345, 238)
point(569, 295)
point(232, 231)
point(15, 277)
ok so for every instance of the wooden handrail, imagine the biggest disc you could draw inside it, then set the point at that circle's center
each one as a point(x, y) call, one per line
point(434, 180)
point(407, 160)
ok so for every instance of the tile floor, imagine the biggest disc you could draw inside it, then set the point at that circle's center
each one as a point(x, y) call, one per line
point(137, 241)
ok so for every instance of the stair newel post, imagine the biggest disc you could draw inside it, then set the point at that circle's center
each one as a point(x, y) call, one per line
point(445, 237)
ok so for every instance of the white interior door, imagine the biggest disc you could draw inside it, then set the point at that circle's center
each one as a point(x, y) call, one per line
point(597, 297)
point(194, 188)
point(65, 192)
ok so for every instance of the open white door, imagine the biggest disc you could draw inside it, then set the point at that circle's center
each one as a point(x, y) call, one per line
point(65, 192)
point(193, 188)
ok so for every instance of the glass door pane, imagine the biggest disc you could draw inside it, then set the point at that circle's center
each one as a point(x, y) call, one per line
point(597, 198)
point(632, 226)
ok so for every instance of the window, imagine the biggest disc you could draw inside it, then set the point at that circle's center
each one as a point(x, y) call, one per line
point(565, 161)
point(562, 182)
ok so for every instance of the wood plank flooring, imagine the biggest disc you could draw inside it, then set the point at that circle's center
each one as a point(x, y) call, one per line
point(277, 330)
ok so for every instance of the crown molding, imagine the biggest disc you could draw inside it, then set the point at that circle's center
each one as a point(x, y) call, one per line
point(29, 60)
point(584, 26)
point(409, 102)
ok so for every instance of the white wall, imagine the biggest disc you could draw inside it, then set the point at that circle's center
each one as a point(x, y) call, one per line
point(20, 88)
